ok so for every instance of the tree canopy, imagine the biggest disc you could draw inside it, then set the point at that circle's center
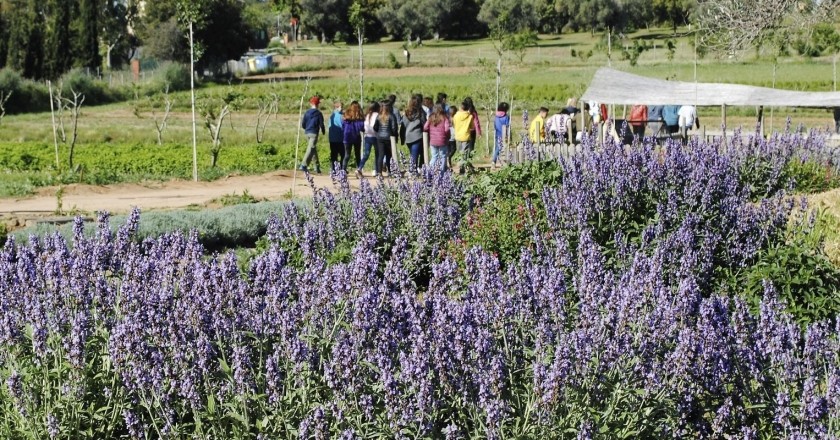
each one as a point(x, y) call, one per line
point(45, 38)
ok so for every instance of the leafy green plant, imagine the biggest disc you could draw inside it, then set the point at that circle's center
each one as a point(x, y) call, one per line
point(237, 199)
point(797, 266)
point(513, 181)
point(393, 63)
point(812, 177)
point(503, 227)
point(236, 226)
point(671, 47)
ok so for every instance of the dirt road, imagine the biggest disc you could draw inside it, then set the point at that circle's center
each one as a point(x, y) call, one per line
point(121, 198)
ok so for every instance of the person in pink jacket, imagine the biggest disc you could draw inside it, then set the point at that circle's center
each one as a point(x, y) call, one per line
point(438, 128)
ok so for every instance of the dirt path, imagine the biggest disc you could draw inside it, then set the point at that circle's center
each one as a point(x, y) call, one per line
point(121, 198)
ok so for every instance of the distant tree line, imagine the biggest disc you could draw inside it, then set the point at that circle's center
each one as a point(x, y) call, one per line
point(42, 39)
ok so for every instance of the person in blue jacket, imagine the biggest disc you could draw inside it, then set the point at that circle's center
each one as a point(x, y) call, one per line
point(312, 124)
point(655, 116)
point(671, 115)
point(502, 121)
point(336, 135)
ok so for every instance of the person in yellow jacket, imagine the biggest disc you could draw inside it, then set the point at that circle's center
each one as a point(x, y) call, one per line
point(466, 126)
point(537, 129)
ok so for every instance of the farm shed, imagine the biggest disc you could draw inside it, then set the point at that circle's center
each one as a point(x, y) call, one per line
point(616, 87)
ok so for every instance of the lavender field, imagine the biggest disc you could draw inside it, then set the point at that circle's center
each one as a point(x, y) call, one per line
point(641, 292)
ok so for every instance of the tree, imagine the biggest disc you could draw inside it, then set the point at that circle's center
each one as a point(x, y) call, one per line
point(427, 18)
point(88, 40)
point(509, 16)
point(222, 34)
point(219, 30)
point(117, 18)
point(215, 112)
point(591, 15)
point(675, 12)
point(25, 51)
point(357, 20)
point(59, 57)
point(4, 36)
point(732, 26)
point(325, 18)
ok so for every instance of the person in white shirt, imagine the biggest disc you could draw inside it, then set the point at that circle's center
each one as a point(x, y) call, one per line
point(558, 125)
point(371, 115)
point(688, 118)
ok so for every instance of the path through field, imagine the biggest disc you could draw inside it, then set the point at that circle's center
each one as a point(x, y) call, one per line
point(120, 198)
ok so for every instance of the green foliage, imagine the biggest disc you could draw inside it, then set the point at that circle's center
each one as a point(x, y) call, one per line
point(503, 227)
point(3, 233)
point(177, 76)
point(797, 266)
point(96, 92)
point(27, 95)
point(633, 53)
point(519, 42)
point(811, 177)
point(392, 61)
point(509, 17)
point(512, 182)
point(824, 40)
point(402, 19)
point(237, 199)
point(236, 226)
point(87, 42)
point(30, 165)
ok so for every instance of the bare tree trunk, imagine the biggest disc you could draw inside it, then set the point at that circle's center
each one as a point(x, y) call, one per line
point(265, 110)
point(4, 97)
point(74, 106)
point(214, 124)
point(162, 124)
point(361, 69)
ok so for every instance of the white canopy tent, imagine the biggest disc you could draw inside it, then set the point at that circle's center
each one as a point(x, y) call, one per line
point(616, 87)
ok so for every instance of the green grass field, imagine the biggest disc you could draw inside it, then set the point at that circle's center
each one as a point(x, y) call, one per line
point(117, 142)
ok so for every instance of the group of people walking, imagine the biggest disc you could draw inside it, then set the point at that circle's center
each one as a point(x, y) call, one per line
point(664, 120)
point(357, 132)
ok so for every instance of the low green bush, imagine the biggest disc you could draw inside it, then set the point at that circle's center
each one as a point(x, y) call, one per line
point(27, 95)
point(812, 177)
point(797, 266)
point(502, 227)
point(30, 165)
point(96, 92)
point(513, 181)
point(238, 226)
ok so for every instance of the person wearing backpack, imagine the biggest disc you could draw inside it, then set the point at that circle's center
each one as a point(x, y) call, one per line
point(413, 123)
point(385, 128)
point(312, 123)
point(336, 135)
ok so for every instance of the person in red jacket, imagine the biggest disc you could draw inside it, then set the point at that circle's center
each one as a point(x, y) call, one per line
point(438, 128)
point(638, 119)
